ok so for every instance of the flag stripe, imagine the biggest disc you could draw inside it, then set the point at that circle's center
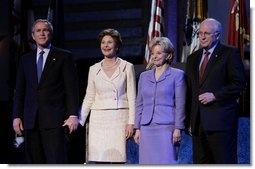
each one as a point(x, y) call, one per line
point(155, 25)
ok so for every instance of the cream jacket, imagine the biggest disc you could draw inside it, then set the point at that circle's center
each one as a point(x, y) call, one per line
point(104, 93)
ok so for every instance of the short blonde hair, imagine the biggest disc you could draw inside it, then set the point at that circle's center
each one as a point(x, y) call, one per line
point(167, 46)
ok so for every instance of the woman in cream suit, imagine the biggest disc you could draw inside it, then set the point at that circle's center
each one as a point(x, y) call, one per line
point(110, 100)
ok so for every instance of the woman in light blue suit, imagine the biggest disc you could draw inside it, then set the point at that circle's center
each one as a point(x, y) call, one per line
point(160, 107)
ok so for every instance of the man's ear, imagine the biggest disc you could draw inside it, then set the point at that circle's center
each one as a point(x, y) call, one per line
point(218, 35)
point(33, 36)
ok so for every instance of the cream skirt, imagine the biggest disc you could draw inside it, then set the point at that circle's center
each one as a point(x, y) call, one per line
point(107, 142)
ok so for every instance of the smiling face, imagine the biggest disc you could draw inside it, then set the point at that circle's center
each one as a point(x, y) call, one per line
point(41, 34)
point(158, 55)
point(108, 46)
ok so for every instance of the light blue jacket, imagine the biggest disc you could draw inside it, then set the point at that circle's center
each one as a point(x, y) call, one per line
point(162, 101)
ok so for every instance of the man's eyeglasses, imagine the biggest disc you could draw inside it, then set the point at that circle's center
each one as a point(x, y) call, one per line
point(205, 34)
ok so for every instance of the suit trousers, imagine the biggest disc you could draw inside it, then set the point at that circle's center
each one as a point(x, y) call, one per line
point(45, 146)
point(214, 147)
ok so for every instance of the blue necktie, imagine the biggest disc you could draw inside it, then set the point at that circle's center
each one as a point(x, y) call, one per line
point(40, 66)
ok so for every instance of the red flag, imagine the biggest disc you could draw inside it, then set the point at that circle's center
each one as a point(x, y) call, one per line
point(156, 27)
point(238, 29)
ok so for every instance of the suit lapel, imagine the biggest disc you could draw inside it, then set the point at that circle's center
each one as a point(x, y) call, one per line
point(33, 65)
point(120, 68)
point(117, 72)
point(100, 71)
point(166, 73)
point(197, 63)
point(51, 58)
point(212, 61)
point(151, 76)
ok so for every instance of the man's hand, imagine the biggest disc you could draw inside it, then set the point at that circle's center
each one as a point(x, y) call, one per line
point(72, 123)
point(18, 126)
point(206, 98)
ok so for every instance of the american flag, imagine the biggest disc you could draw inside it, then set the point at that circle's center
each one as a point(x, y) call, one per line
point(156, 27)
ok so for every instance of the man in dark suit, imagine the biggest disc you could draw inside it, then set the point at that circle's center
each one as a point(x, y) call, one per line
point(46, 98)
point(213, 91)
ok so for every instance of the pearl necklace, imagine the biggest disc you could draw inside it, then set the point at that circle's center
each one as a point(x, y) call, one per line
point(111, 66)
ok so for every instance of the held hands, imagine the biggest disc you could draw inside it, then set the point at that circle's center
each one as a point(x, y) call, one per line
point(129, 130)
point(18, 126)
point(206, 98)
point(72, 123)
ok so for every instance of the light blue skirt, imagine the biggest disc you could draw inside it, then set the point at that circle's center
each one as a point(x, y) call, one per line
point(156, 146)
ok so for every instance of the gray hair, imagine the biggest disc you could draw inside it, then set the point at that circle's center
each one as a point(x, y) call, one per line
point(216, 24)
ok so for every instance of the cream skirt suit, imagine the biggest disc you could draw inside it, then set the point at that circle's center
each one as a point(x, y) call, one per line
point(111, 104)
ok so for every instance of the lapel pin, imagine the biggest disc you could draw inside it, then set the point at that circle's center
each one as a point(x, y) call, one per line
point(54, 59)
point(216, 56)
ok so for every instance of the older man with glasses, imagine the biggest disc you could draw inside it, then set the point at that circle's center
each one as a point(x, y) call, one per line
point(215, 77)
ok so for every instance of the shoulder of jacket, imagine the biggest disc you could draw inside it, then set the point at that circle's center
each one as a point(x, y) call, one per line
point(124, 65)
point(127, 63)
point(28, 55)
point(229, 47)
point(176, 70)
point(95, 66)
point(147, 72)
point(194, 55)
point(61, 50)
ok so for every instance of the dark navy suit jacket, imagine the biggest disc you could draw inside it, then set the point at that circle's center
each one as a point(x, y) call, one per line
point(224, 76)
point(51, 100)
